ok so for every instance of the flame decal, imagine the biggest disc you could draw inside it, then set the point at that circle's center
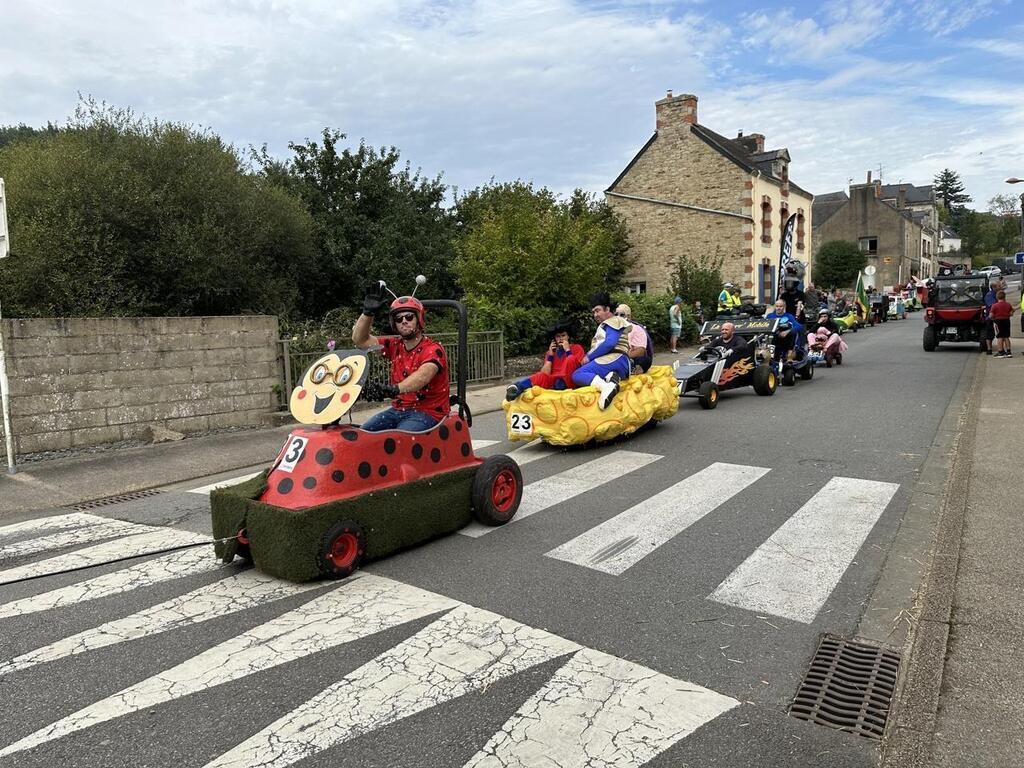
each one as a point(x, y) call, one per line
point(739, 368)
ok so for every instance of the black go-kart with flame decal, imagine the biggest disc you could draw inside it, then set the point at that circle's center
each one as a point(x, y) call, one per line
point(716, 369)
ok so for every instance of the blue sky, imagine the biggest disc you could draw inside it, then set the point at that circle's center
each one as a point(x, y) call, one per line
point(557, 92)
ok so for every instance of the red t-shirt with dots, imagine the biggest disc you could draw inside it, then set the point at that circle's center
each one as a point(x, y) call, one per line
point(433, 398)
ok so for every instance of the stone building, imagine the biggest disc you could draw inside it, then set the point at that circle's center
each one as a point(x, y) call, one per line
point(896, 226)
point(691, 193)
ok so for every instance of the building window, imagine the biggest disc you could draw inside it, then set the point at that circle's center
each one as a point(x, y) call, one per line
point(636, 287)
point(869, 244)
point(766, 220)
point(800, 229)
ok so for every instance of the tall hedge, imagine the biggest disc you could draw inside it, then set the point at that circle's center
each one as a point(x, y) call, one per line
point(114, 215)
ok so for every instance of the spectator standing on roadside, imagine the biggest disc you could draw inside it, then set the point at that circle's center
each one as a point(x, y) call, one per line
point(990, 329)
point(1000, 314)
point(675, 323)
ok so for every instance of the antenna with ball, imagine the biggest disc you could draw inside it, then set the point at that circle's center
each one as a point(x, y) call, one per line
point(420, 280)
point(384, 287)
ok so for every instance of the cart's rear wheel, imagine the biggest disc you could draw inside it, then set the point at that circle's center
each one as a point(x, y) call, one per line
point(807, 372)
point(497, 490)
point(707, 395)
point(341, 549)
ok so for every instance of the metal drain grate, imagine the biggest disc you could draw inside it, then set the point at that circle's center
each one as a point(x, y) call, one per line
point(849, 686)
point(114, 500)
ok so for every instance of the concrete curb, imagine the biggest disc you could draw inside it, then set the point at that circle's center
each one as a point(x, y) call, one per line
point(912, 717)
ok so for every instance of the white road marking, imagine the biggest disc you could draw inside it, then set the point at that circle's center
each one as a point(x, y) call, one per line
point(464, 650)
point(362, 605)
point(627, 538)
point(128, 546)
point(559, 488)
point(479, 444)
point(174, 565)
point(205, 489)
point(240, 592)
point(598, 710)
point(792, 574)
point(54, 523)
point(532, 451)
point(108, 529)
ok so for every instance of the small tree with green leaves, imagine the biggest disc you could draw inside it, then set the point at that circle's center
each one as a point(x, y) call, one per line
point(838, 263)
point(699, 279)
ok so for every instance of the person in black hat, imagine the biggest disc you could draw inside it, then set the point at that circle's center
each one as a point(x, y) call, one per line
point(560, 360)
point(607, 362)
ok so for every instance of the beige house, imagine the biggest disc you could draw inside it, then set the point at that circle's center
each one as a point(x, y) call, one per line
point(691, 192)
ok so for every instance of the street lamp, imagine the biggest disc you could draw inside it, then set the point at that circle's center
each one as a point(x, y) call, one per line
point(1015, 180)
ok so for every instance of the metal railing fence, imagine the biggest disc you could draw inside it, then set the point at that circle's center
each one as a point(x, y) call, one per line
point(485, 357)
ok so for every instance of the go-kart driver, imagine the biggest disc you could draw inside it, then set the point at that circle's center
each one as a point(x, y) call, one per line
point(419, 389)
point(781, 313)
point(607, 362)
point(787, 341)
point(728, 339)
point(824, 338)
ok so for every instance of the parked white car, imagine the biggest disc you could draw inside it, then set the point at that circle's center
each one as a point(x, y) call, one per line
point(992, 271)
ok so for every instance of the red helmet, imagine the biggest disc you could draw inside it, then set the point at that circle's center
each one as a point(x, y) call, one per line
point(408, 303)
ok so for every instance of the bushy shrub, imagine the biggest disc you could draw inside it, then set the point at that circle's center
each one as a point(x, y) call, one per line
point(699, 280)
point(651, 311)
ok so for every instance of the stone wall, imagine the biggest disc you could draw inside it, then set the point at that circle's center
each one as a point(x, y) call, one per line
point(85, 381)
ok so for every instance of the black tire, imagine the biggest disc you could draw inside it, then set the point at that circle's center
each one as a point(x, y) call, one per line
point(765, 380)
point(839, 358)
point(788, 377)
point(931, 339)
point(497, 490)
point(341, 549)
point(707, 395)
point(807, 372)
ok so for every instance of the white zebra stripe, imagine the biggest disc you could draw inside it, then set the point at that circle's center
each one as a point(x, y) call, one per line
point(462, 651)
point(601, 710)
point(792, 574)
point(54, 523)
point(174, 565)
point(627, 538)
point(532, 451)
point(108, 529)
point(205, 489)
point(360, 606)
point(557, 489)
point(480, 444)
point(129, 546)
point(236, 593)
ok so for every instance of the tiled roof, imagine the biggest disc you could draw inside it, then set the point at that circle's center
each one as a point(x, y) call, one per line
point(913, 194)
point(826, 205)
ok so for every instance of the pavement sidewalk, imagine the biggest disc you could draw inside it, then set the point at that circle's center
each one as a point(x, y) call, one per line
point(79, 478)
point(962, 699)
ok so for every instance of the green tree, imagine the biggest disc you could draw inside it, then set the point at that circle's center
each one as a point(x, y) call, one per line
point(525, 257)
point(838, 263)
point(700, 280)
point(115, 215)
point(374, 219)
point(20, 132)
point(948, 186)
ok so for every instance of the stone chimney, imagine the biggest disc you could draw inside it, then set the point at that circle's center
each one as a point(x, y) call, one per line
point(869, 177)
point(675, 111)
point(901, 197)
point(753, 142)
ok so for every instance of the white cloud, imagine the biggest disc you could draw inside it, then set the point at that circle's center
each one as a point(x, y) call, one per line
point(845, 28)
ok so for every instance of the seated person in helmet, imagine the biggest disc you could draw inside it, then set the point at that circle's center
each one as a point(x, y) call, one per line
point(729, 299)
point(729, 340)
point(561, 359)
point(824, 338)
point(607, 362)
point(419, 389)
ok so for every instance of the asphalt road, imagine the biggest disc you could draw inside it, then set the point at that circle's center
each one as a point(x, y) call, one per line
point(674, 635)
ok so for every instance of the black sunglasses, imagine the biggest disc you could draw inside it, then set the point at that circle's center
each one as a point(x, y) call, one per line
point(405, 317)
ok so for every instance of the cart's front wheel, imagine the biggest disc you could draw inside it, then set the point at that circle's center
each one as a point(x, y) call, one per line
point(497, 490)
point(765, 381)
point(242, 548)
point(341, 549)
point(707, 395)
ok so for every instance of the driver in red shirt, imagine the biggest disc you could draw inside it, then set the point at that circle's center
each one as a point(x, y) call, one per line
point(419, 388)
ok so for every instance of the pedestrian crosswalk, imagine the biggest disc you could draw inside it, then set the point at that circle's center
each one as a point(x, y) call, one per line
point(589, 708)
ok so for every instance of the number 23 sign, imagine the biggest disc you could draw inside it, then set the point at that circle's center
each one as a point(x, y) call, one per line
point(520, 423)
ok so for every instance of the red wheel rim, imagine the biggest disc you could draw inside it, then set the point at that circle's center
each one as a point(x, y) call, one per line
point(503, 490)
point(242, 536)
point(344, 550)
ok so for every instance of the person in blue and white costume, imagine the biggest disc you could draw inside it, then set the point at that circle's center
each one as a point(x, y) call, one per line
point(607, 362)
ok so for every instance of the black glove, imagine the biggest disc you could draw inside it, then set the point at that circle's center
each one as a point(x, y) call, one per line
point(374, 298)
point(375, 391)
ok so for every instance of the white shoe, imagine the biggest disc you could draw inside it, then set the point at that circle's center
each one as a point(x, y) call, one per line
point(609, 389)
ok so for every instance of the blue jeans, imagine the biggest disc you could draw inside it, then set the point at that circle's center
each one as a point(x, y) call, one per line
point(392, 418)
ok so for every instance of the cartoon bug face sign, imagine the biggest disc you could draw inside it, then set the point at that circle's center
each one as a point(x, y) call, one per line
point(330, 387)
